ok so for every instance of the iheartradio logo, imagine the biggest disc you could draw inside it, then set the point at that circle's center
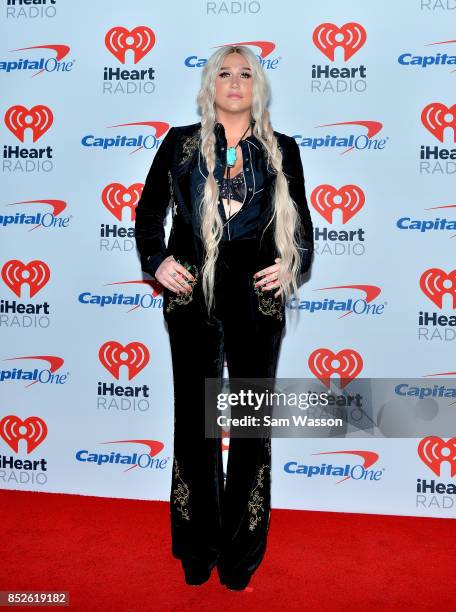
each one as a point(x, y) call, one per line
point(119, 40)
point(351, 37)
point(433, 451)
point(348, 198)
point(135, 356)
point(39, 119)
point(35, 274)
point(436, 117)
point(435, 283)
point(323, 363)
point(13, 429)
point(116, 197)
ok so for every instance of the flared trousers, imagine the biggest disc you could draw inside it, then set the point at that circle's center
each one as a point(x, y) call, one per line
point(214, 522)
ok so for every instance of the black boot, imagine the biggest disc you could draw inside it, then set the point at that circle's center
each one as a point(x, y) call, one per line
point(236, 584)
point(196, 575)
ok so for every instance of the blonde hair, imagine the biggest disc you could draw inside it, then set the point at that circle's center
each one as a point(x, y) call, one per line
point(285, 216)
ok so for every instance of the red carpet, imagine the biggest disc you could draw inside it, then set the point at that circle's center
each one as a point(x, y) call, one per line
point(114, 555)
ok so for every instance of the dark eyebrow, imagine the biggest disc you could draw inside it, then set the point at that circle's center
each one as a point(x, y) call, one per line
point(228, 68)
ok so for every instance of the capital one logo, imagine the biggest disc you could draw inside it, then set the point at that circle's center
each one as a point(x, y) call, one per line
point(116, 197)
point(351, 37)
point(135, 356)
point(433, 451)
point(435, 283)
point(39, 119)
point(349, 199)
point(370, 293)
point(263, 50)
point(436, 117)
point(369, 458)
point(361, 142)
point(119, 40)
point(61, 51)
point(160, 127)
point(48, 219)
point(266, 47)
point(13, 429)
point(156, 288)
point(323, 363)
point(35, 274)
point(49, 375)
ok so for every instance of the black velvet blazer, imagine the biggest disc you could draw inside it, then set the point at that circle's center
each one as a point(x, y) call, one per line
point(168, 183)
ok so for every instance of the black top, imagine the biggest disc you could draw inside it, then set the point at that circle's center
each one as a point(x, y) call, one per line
point(246, 187)
point(169, 177)
point(234, 187)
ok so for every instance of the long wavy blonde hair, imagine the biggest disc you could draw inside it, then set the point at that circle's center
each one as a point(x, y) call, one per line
point(285, 216)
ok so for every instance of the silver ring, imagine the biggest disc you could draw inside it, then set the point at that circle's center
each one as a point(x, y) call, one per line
point(174, 274)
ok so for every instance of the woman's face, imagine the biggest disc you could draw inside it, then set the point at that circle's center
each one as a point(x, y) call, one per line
point(234, 85)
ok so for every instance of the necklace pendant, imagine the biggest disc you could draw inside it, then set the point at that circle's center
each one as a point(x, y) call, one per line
point(231, 156)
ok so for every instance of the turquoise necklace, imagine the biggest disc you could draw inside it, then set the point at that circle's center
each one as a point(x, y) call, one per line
point(231, 157)
point(231, 154)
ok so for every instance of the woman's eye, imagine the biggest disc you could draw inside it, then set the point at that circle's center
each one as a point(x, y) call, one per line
point(243, 74)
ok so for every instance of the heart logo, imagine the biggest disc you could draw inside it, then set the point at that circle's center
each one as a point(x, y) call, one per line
point(433, 451)
point(135, 356)
point(116, 197)
point(349, 199)
point(435, 283)
point(323, 363)
point(35, 274)
point(39, 119)
point(13, 429)
point(119, 40)
point(436, 117)
point(351, 37)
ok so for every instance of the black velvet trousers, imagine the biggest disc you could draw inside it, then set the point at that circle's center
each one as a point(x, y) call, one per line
point(213, 522)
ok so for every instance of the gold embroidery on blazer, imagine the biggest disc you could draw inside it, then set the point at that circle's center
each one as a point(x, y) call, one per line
point(255, 503)
point(189, 146)
point(171, 193)
point(181, 494)
point(268, 304)
point(181, 299)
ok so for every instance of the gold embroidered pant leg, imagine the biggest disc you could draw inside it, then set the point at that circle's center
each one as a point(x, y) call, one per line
point(197, 476)
point(252, 346)
point(250, 353)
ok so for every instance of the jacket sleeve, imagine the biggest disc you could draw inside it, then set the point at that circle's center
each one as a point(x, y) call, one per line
point(152, 208)
point(292, 166)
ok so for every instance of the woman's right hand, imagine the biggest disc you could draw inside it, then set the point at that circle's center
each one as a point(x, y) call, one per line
point(173, 276)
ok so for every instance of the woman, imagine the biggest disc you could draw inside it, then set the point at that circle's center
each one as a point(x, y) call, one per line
point(241, 235)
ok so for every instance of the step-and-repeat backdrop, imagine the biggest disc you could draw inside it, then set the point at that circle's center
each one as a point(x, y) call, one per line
point(89, 90)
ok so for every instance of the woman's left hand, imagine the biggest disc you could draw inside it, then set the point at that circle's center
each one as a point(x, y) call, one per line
point(269, 278)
